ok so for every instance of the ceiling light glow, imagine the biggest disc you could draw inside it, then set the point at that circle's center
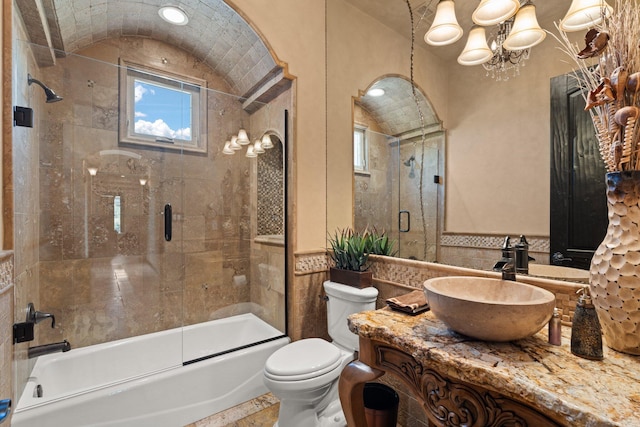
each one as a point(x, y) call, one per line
point(173, 15)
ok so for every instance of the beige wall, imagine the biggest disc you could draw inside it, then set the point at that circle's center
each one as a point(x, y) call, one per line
point(294, 29)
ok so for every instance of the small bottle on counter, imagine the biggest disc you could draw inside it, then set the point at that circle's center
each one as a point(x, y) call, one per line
point(555, 328)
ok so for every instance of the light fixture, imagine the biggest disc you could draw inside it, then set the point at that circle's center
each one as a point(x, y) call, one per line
point(227, 148)
point(492, 12)
point(445, 28)
point(250, 152)
point(92, 171)
point(143, 181)
point(173, 15)
point(233, 144)
point(243, 138)
point(476, 51)
point(504, 61)
point(516, 32)
point(526, 31)
point(257, 147)
point(584, 14)
point(266, 141)
point(375, 92)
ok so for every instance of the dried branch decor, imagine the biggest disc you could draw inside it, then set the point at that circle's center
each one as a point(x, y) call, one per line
point(608, 71)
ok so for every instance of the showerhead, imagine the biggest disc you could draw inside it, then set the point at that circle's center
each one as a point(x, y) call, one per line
point(409, 162)
point(51, 95)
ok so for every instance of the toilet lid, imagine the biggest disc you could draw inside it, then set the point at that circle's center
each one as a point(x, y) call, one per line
point(303, 359)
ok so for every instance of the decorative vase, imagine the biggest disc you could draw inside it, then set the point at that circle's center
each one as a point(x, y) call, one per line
point(615, 266)
point(358, 279)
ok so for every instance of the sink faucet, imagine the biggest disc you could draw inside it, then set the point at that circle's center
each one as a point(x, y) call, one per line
point(509, 270)
point(55, 347)
point(507, 264)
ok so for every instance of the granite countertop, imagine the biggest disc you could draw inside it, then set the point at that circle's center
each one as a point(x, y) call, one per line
point(582, 392)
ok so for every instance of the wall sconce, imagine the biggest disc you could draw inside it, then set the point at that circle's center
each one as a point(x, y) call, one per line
point(257, 147)
point(266, 141)
point(243, 138)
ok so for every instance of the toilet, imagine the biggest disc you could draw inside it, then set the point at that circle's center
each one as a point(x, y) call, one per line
point(304, 374)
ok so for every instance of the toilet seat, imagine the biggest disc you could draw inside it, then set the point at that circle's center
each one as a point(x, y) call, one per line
point(302, 360)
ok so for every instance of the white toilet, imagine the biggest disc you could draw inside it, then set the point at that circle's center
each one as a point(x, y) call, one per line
point(304, 374)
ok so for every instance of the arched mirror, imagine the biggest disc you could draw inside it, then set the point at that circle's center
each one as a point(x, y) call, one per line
point(398, 166)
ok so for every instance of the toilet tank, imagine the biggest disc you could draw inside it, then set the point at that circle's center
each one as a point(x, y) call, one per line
point(342, 301)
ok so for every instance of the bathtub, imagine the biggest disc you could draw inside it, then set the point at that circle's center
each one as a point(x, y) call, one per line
point(169, 378)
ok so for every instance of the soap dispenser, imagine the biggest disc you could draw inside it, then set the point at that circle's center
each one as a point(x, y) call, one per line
point(586, 335)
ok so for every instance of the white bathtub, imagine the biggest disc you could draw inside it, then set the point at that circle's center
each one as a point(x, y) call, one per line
point(142, 381)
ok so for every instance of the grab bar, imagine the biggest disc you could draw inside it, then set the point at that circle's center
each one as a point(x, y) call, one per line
point(5, 409)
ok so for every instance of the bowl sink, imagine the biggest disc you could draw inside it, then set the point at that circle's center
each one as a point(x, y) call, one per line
point(489, 309)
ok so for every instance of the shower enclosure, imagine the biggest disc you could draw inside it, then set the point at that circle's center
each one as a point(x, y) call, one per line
point(400, 192)
point(129, 219)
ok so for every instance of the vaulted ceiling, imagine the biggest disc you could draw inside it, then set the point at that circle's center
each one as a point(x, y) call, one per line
point(215, 33)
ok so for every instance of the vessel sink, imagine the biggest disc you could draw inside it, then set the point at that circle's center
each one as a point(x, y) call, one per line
point(489, 309)
point(558, 272)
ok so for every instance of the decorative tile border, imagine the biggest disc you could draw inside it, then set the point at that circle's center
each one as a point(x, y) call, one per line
point(6, 269)
point(311, 262)
point(536, 244)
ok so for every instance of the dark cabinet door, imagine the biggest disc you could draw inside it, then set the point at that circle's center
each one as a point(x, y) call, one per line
point(578, 197)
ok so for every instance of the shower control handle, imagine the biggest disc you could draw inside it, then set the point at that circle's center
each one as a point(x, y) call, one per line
point(168, 217)
point(404, 230)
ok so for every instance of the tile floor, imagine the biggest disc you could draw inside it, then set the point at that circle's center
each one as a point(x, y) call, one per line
point(259, 412)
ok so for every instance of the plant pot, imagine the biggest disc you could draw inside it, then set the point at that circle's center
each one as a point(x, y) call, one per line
point(358, 279)
point(615, 266)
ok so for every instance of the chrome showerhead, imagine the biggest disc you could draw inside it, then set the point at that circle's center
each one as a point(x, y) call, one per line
point(409, 162)
point(51, 95)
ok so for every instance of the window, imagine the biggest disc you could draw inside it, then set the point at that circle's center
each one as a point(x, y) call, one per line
point(360, 149)
point(158, 109)
point(117, 214)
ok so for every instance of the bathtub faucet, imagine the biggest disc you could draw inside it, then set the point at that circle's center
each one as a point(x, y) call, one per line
point(41, 350)
point(38, 316)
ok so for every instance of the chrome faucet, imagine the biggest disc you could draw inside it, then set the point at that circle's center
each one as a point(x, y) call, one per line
point(35, 316)
point(55, 347)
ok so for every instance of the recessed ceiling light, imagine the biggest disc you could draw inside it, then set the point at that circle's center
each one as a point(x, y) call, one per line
point(173, 15)
point(376, 92)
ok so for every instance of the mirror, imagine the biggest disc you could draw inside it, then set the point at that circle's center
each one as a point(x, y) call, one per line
point(497, 168)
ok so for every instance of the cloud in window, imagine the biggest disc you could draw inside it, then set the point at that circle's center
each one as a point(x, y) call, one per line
point(140, 90)
point(140, 114)
point(160, 128)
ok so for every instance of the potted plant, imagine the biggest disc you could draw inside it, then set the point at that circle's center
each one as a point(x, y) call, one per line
point(350, 252)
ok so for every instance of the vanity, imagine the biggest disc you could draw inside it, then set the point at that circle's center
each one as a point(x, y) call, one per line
point(461, 381)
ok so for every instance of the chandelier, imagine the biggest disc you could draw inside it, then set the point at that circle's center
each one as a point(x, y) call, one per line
point(516, 31)
point(504, 61)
